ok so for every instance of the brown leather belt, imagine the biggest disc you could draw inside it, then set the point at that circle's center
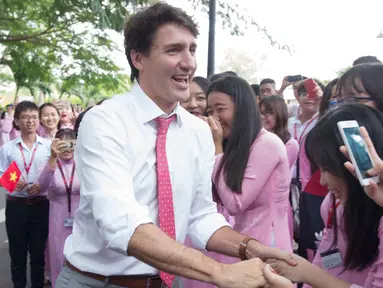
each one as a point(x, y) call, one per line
point(138, 281)
point(27, 200)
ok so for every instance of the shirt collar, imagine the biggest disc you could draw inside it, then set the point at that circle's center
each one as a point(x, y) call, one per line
point(147, 109)
point(38, 139)
point(296, 120)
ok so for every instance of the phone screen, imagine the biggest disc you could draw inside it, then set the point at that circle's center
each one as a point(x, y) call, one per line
point(359, 150)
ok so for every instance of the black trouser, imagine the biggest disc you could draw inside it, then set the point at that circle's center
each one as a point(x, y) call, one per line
point(27, 229)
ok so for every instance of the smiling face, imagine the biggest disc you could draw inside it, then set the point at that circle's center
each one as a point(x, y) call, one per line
point(268, 118)
point(337, 186)
point(196, 104)
point(49, 117)
point(166, 72)
point(66, 112)
point(28, 121)
point(221, 107)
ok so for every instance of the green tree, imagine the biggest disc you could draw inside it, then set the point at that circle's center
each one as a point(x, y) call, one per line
point(67, 39)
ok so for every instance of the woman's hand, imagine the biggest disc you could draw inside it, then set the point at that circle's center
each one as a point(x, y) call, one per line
point(374, 190)
point(295, 273)
point(274, 280)
point(57, 147)
point(216, 131)
point(318, 91)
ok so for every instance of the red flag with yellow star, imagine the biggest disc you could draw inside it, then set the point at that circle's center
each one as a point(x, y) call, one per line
point(10, 177)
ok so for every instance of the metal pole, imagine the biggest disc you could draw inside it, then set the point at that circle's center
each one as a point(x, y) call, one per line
point(211, 49)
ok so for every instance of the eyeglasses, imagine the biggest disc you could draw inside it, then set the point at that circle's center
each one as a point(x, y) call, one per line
point(352, 100)
point(27, 118)
point(266, 113)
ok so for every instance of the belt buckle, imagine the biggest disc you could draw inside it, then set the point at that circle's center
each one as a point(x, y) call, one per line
point(149, 281)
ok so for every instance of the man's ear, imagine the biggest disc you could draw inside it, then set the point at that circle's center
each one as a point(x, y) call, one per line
point(137, 60)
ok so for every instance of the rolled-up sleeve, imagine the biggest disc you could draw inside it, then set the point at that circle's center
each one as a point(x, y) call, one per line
point(105, 170)
point(204, 220)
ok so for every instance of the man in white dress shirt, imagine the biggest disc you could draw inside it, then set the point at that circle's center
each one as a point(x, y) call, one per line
point(27, 211)
point(117, 240)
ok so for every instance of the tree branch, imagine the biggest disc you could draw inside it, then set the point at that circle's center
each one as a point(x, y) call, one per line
point(16, 38)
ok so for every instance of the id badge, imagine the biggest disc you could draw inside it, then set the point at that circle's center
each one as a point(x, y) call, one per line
point(68, 222)
point(331, 259)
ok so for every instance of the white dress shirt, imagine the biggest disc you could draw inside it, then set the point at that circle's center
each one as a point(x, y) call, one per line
point(116, 162)
point(10, 152)
point(299, 131)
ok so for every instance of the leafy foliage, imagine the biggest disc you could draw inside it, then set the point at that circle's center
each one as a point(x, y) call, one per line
point(47, 40)
point(67, 43)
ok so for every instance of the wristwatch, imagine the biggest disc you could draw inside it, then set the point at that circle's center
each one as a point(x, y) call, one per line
point(243, 247)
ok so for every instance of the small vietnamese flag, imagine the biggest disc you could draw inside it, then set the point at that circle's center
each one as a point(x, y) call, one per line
point(10, 177)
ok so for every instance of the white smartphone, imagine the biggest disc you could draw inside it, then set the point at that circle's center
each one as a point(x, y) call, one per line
point(357, 150)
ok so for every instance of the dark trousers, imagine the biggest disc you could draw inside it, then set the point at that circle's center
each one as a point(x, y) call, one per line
point(27, 229)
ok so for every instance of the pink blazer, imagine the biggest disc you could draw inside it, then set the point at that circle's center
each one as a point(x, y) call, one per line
point(371, 277)
point(261, 211)
point(292, 148)
point(304, 165)
point(8, 132)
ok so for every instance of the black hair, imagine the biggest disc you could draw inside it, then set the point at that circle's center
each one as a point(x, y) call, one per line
point(245, 128)
point(361, 215)
point(202, 82)
point(327, 93)
point(21, 107)
point(221, 75)
point(267, 81)
point(66, 134)
point(141, 28)
point(256, 89)
point(366, 60)
point(79, 119)
point(363, 78)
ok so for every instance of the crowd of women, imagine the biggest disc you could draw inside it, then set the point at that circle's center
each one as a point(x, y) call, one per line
point(285, 182)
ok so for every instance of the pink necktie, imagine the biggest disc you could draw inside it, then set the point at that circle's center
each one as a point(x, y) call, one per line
point(164, 188)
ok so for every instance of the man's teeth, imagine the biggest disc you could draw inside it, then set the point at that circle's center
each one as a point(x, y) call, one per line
point(181, 78)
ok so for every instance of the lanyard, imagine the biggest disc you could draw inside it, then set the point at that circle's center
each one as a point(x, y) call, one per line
point(304, 130)
point(27, 167)
point(331, 214)
point(68, 188)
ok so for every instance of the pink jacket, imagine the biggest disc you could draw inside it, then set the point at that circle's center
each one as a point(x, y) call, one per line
point(8, 132)
point(371, 277)
point(261, 211)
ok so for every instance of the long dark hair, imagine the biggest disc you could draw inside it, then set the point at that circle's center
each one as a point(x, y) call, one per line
point(361, 215)
point(277, 106)
point(363, 78)
point(202, 82)
point(245, 128)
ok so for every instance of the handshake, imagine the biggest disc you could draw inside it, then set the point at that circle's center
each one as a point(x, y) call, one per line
point(255, 273)
point(252, 273)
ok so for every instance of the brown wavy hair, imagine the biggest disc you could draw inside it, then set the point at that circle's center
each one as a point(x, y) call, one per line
point(276, 106)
